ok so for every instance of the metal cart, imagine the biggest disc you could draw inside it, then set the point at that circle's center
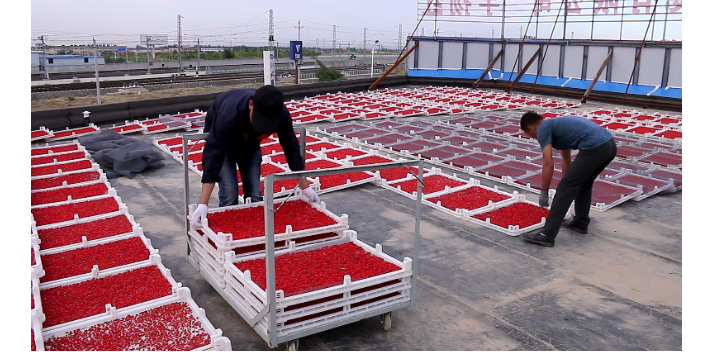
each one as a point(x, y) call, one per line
point(270, 334)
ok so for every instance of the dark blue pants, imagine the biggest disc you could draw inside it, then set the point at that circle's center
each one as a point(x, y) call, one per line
point(250, 166)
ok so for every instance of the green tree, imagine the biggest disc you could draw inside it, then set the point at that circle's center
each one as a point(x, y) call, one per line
point(325, 73)
point(228, 54)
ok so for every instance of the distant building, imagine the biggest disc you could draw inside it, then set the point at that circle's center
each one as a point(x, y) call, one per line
point(211, 50)
point(73, 60)
point(35, 59)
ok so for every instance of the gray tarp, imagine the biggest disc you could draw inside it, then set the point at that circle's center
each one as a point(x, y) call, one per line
point(119, 156)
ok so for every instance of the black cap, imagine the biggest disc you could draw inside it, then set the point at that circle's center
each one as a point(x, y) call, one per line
point(268, 103)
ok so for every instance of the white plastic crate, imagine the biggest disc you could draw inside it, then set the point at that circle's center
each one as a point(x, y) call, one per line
point(37, 267)
point(206, 270)
point(119, 129)
point(111, 192)
point(102, 179)
point(204, 252)
point(166, 129)
point(634, 192)
point(48, 135)
point(225, 240)
point(38, 338)
point(181, 295)
point(251, 299)
point(666, 185)
point(73, 135)
point(459, 212)
point(373, 177)
point(135, 231)
point(117, 198)
point(664, 173)
point(85, 156)
point(37, 314)
point(96, 269)
point(53, 145)
point(527, 187)
point(36, 295)
point(94, 167)
point(390, 185)
point(34, 227)
point(342, 147)
point(154, 260)
point(75, 185)
point(512, 230)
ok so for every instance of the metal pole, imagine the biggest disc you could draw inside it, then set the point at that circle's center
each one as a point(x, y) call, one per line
point(334, 43)
point(180, 68)
point(297, 63)
point(591, 36)
point(667, 10)
point(416, 238)
point(149, 54)
point(371, 70)
point(503, 19)
point(198, 63)
point(46, 69)
point(655, 15)
point(97, 75)
point(623, 10)
point(364, 46)
point(186, 195)
point(564, 24)
point(537, 21)
point(270, 259)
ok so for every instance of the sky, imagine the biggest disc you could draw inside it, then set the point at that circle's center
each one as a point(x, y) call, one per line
point(220, 22)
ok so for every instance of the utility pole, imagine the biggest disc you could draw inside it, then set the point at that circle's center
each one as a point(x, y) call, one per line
point(180, 67)
point(97, 75)
point(400, 37)
point(44, 68)
point(149, 54)
point(198, 63)
point(334, 42)
point(297, 63)
point(272, 43)
point(365, 43)
point(520, 31)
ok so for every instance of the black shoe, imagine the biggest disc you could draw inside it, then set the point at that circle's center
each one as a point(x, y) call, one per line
point(538, 238)
point(570, 225)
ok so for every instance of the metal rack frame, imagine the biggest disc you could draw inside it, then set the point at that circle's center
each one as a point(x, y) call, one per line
point(272, 337)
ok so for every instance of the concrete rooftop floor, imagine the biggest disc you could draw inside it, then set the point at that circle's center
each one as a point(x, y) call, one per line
point(617, 288)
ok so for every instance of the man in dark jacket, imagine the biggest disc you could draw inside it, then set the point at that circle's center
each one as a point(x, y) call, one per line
point(597, 149)
point(236, 123)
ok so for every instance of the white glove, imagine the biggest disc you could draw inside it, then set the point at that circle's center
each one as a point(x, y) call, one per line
point(200, 214)
point(312, 196)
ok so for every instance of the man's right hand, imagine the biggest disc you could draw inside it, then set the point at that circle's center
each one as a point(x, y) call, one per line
point(200, 214)
point(544, 201)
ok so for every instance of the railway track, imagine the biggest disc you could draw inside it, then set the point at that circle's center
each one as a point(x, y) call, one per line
point(144, 82)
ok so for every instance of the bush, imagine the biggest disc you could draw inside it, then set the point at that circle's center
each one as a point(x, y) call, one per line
point(325, 73)
point(71, 98)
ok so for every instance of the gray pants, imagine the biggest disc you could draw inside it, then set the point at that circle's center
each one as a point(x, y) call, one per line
point(576, 185)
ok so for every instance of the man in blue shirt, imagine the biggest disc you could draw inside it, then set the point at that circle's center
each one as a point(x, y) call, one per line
point(597, 149)
point(236, 123)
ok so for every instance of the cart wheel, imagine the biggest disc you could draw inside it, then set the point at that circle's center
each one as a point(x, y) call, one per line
point(387, 321)
point(292, 345)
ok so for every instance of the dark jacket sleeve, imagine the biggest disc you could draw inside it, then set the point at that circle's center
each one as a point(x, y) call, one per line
point(223, 121)
point(289, 142)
